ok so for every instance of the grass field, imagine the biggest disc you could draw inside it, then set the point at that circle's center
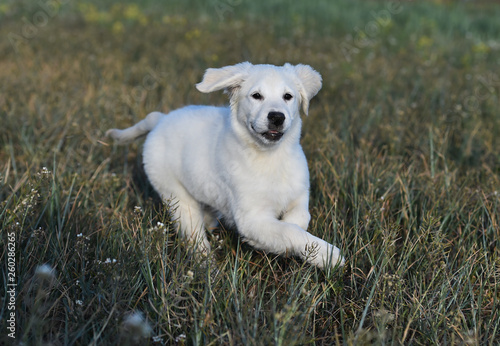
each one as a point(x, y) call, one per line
point(403, 145)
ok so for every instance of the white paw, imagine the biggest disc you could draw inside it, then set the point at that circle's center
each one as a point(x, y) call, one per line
point(203, 247)
point(325, 256)
point(113, 133)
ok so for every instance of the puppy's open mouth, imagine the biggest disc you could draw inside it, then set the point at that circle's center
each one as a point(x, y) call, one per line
point(272, 135)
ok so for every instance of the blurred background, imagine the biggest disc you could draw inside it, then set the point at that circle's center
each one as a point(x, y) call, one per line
point(380, 60)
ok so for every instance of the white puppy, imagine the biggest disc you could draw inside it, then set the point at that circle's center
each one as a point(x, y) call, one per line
point(242, 163)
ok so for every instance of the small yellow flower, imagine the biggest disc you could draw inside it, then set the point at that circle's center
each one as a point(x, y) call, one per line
point(117, 28)
point(132, 12)
point(424, 42)
point(92, 14)
point(4, 8)
point(192, 34)
point(166, 19)
point(143, 20)
point(481, 48)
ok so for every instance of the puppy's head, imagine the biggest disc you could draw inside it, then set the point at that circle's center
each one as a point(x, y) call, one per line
point(265, 98)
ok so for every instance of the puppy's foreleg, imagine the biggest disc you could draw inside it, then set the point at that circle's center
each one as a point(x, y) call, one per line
point(298, 212)
point(272, 235)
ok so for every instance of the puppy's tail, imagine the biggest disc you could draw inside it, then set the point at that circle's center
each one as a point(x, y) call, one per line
point(136, 131)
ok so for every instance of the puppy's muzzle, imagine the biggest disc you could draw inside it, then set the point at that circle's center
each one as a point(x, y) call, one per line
point(276, 120)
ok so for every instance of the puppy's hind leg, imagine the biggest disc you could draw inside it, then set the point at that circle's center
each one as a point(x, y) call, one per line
point(189, 215)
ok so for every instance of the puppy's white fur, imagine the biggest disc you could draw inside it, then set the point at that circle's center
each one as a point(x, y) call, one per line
point(239, 163)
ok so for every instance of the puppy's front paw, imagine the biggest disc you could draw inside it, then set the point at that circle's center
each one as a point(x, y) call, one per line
point(327, 256)
point(334, 258)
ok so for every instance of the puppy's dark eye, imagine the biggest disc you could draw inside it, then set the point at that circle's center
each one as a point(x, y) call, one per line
point(287, 97)
point(257, 96)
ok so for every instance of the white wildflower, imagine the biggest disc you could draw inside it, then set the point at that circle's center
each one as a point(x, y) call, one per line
point(157, 340)
point(135, 324)
point(180, 337)
point(384, 315)
point(45, 272)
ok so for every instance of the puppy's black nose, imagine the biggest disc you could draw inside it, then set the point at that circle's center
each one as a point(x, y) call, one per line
point(276, 118)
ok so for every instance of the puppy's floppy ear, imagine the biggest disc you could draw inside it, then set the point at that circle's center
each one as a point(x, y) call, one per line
point(309, 83)
point(229, 77)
